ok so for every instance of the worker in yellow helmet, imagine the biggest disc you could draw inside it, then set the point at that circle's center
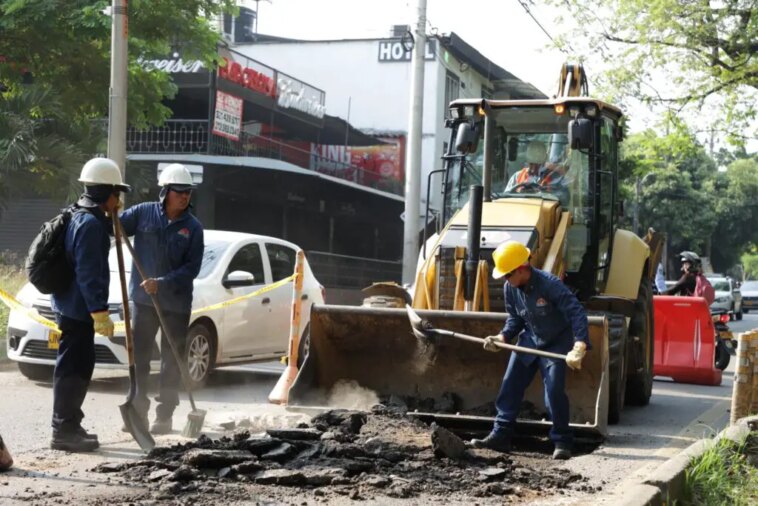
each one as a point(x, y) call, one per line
point(542, 314)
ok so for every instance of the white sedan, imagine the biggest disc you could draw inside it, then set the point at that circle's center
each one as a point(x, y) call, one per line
point(234, 264)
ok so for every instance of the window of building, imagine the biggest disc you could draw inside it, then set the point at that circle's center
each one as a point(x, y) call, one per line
point(452, 91)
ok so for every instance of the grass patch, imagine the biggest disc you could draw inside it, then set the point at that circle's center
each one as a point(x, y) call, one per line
point(725, 474)
point(12, 278)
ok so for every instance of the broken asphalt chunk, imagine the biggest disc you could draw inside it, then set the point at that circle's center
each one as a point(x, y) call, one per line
point(215, 459)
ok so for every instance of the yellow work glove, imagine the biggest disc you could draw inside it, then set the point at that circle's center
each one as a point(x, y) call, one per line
point(575, 356)
point(489, 342)
point(103, 323)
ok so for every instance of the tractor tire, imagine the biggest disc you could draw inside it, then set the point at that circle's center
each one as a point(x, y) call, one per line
point(639, 382)
point(617, 345)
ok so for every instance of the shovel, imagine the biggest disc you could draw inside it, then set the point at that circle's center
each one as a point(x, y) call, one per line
point(134, 423)
point(196, 417)
point(426, 335)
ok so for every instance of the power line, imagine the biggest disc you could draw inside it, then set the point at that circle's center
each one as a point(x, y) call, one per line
point(524, 4)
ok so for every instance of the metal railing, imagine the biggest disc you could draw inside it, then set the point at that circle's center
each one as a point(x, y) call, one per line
point(343, 271)
point(194, 136)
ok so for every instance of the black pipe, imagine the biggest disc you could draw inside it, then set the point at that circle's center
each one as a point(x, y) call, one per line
point(474, 238)
point(426, 214)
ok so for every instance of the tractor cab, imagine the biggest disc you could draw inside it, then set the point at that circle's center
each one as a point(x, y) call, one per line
point(563, 151)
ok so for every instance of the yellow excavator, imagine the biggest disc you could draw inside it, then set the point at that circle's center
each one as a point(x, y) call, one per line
point(569, 224)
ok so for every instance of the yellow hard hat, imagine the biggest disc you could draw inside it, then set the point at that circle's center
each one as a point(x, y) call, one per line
point(508, 256)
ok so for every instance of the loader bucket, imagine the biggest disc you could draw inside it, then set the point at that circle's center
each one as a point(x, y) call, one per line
point(375, 348)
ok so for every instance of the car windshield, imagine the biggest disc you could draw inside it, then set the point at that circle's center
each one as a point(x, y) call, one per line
point(750, 286)
point(211, 255)
point(720, 285)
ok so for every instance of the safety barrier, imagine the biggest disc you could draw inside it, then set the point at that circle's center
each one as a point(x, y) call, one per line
point(745, 390)
point(685, 342)
point(10, 301)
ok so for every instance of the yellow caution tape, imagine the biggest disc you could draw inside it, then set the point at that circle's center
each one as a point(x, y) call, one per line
point(119, 326)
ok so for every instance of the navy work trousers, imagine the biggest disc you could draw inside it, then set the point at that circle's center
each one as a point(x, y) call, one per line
point(145, 325)
point(517, 378)
point(73, 372)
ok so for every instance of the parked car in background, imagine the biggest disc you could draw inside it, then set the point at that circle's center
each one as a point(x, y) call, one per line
point(728, 296)
point(234, 264)
point(749, 291)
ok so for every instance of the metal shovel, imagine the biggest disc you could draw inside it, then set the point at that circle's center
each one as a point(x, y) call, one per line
point(133, 422)
point(196, 417)
point(425, 333)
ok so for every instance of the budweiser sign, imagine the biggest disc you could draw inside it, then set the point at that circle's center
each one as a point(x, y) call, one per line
point(247, 77)
point(173, 66)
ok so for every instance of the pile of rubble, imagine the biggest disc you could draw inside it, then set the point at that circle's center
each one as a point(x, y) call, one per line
point(353, 454)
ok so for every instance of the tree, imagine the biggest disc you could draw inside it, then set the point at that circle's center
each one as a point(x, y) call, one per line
point(737, 213)
point(65, 45)
point(672, 53)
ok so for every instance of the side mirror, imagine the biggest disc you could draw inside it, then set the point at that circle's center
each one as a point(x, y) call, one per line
point(580, 132)
point(512, 149)
point(238, 278)
point(467, 138)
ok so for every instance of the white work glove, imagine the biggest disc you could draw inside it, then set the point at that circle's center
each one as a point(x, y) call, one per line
point(489, 342)
point(575, 356)
point(103, 323)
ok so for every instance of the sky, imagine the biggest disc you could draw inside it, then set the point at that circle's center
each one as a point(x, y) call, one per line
point(499, 29)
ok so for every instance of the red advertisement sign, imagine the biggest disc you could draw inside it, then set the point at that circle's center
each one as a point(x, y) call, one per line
point(254, 79)
point(227, 120)
point(380, 166)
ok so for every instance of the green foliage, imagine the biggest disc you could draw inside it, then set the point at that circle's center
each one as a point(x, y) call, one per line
point(750, 264)
point(65, 45)
point(737, 210)
point(724, 474)
point(670, 53)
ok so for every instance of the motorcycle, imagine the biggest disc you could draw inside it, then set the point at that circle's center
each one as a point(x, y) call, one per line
point(725, 345)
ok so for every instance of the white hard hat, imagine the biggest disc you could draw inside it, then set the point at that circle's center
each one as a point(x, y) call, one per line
point(536, 152)
point(103, 171)
point(175, 174)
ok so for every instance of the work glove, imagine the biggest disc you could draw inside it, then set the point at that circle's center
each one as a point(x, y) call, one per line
point(489, 342)
point(575, 356)
point(103, 323)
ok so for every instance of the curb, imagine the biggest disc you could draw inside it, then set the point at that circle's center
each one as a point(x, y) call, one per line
point(665, 485)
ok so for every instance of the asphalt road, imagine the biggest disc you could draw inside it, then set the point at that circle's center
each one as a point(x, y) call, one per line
point(678, 415)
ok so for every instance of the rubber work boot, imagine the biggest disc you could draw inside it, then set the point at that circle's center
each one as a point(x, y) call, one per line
point(85, 434)
point(161, 426)
point(494, 441)
point(73, 442)
point(561, 452)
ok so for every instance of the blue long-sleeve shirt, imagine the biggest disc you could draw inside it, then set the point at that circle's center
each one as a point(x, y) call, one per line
point(544, 315)
point(171, 252)
point(87, 244)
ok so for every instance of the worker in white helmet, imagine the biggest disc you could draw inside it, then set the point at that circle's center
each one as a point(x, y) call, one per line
point(82, 307)
point(168, 242)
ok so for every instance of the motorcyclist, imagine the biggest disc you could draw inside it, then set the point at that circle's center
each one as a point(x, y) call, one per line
point(691, 266)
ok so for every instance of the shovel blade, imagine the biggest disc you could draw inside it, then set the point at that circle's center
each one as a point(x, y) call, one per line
point(136, 427)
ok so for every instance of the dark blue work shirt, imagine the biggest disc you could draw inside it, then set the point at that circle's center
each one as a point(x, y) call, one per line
point(171, 252)
point(549, 315)
point(87, 244)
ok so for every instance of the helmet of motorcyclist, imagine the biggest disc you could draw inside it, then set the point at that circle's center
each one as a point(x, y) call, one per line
point(692, 258)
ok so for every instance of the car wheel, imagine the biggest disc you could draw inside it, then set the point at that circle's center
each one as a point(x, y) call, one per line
point(199, 354)
point(304, 345)
point(722, 356)
point(36, 372)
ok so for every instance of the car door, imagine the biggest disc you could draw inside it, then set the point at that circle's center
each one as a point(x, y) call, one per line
point(246, 323)
point(281, 259)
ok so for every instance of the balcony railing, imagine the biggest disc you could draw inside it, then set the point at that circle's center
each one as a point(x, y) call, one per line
point(194, 136)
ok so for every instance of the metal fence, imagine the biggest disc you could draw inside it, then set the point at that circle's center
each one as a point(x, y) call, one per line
point(342, 271)
point(194, 136)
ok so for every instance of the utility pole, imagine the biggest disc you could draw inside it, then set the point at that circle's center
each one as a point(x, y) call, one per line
point(117, 92)
point(413, 156)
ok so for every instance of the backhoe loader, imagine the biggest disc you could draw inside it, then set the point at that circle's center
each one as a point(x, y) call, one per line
point(570, 226)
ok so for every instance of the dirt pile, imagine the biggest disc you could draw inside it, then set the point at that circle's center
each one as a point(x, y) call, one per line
point(353, 454)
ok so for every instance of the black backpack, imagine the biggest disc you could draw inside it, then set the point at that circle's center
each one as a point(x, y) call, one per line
point(47, 267)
